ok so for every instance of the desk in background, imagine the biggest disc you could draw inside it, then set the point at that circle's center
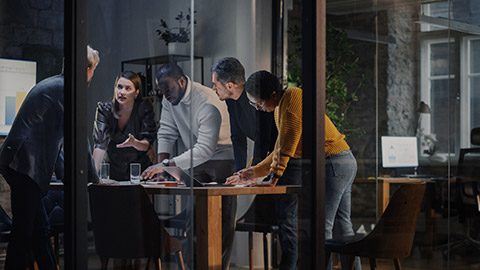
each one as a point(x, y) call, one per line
point(383, 191)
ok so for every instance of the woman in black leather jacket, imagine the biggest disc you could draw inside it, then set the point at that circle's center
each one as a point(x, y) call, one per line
point(124, 128)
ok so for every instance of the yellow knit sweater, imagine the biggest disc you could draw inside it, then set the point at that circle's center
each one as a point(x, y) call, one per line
point(334, 140)
point(288, 119)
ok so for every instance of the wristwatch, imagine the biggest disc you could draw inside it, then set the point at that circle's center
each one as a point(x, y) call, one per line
point(271, 176)
point(166, 162)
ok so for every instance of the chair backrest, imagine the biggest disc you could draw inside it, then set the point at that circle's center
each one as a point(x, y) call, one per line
point(124, 222)
point(469, 167)
point(392, 237)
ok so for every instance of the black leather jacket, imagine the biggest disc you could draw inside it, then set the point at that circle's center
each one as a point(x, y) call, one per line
point(106, 135)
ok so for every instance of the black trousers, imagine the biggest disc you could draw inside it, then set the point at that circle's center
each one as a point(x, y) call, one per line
point(30, 228)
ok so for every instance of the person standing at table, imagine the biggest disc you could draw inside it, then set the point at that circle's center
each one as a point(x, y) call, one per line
point(264, 91)
point(228, 78)
point(32, 151)
point(124, 128)
point(283, 165)
point(340, 171)
point(211, 147)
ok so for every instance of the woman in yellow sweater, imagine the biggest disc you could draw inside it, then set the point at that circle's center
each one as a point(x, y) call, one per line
point(340, 171)
point(282, 165)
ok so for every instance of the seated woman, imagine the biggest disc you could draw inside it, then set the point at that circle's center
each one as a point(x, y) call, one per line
point(124, 128)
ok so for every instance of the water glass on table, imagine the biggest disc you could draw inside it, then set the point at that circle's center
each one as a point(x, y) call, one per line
point(135, 173)
point(105, 171)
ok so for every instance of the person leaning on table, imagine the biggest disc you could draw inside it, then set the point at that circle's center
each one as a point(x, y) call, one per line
point(283, 165)
point(228, 78)
point(32, 151)
point(211, 146)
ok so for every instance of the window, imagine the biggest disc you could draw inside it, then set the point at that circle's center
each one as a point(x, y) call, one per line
point(456, 101)
point(436, 75)
point(470, 90)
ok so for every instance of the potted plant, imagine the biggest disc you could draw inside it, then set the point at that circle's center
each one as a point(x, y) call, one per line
point(179, 36)
point(341, 64)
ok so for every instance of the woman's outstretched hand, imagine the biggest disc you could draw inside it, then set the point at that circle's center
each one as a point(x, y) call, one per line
point(129, 142)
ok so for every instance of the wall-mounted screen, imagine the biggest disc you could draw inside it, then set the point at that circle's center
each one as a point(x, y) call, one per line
point(17, 77)
point(399, 152)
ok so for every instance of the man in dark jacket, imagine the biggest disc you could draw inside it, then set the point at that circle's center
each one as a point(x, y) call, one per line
point(228, 78)
point(32, 151)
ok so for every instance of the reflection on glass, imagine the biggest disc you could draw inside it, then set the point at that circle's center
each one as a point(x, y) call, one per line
point(475, 56)
point(441, 54)
point(443, 98)
point(475, 102)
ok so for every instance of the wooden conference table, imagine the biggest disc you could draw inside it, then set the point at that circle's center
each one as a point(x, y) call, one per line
point(208, 215)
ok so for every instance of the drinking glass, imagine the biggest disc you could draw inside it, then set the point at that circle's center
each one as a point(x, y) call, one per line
point(135, 171)
point(105, 171)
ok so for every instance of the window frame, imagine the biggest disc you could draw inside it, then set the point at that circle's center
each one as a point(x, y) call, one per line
point(466, 89)
point(425, 121)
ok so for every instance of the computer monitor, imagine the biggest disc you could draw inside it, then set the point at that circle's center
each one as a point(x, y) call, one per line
point(17, 77)
point(399, 152)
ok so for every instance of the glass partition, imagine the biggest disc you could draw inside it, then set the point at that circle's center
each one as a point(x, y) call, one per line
point(413, 76)
point(150, 44)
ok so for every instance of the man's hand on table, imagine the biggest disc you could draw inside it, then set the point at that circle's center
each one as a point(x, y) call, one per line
point(150, 172)
point(156, 172)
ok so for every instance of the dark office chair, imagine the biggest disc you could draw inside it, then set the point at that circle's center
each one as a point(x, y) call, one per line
point(260, 218)
point(392, 237)
point(467, 200)
point(125, 225)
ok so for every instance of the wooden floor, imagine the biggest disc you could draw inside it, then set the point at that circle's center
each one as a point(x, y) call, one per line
point(469, 259)
point(382, 265)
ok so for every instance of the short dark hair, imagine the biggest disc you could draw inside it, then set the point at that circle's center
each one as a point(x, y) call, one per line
point(261, 85)
point(169, 70)
point(229, 69)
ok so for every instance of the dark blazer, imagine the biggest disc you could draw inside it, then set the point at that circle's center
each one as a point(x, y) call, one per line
point(34, 144)
point(247, 122)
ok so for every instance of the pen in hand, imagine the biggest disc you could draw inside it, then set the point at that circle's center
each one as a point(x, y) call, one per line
point(248, 166)
point(249, 163)
point(238, 178)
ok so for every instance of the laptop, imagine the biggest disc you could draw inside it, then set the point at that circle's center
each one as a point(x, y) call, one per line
point(184, 178)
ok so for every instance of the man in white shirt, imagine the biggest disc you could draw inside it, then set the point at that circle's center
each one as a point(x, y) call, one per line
point(189, 108)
